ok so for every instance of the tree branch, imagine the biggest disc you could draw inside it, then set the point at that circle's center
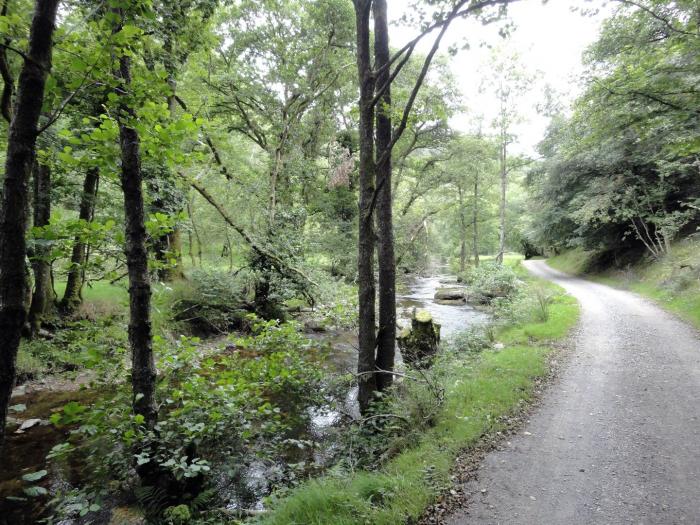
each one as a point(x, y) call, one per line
point(279, 264)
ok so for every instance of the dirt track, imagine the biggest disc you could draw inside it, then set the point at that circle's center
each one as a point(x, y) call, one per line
point(617, 436)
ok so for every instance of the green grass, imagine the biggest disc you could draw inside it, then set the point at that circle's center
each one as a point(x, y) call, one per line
point(99, 291)
point(574, 262)
point(664, 281)
point(479, 391)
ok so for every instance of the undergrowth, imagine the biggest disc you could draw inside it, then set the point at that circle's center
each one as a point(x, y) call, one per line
point(479, 385)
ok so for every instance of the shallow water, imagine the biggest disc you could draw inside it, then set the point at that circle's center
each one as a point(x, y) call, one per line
point(26, 452)
point(452, 318)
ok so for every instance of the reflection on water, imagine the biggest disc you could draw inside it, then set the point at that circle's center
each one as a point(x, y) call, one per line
point(452, 318)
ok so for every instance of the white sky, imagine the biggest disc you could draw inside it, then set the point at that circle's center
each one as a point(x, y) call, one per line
point(550, 39)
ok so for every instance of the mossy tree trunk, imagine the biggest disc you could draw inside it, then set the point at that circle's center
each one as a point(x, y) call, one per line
point(386, 336)
point(367, 338)
point(43, 296)
point(421, 342)
point(72, 297)
point(143, 368)
point(21, 152)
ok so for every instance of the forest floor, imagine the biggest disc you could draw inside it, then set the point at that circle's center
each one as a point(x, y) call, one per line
point(615, 437)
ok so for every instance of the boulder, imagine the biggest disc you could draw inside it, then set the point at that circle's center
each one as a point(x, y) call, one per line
point(127, 516)
point(313, 325)
point(450, 294)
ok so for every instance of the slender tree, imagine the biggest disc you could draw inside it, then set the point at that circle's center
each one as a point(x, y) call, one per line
point(143, 368)
point(365, 260)
point(475, 220)
point(43, 295)
point(72, 296)
point(21, 152)
point(508, 82)
point(386, 336)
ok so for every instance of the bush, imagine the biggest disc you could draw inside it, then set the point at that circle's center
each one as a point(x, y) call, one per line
point(492, 281)
point(544, 298)
point(472, 340)
point(77, 345)
point(217, 412)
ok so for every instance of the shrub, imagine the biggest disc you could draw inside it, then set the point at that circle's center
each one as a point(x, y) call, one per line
point(222, 409)
point(492, 281)
point(472, 340)
point(544, 298)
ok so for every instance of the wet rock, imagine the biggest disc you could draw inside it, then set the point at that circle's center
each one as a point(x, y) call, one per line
point(27, 424)
point(451, 302)
point(450, 294)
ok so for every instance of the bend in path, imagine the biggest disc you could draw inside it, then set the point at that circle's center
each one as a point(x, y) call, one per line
point(617, 436)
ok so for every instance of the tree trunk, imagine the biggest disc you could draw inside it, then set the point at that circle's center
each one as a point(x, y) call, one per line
point(143, 369)
point(365, 255)
point(462, 231)
point(386, 337)
point(72, 296)
point(43, 296)
point(21, 149)
point(502, 221)
point(168, 247)
point(190, 212)
point(475, 221)
point(229, 248)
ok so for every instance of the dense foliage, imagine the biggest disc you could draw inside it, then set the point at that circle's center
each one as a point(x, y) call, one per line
point(620, 174)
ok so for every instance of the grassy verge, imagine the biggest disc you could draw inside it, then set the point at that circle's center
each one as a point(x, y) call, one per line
point(671, 282)
point(478, 391)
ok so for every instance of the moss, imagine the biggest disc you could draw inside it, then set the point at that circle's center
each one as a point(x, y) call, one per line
point(424, 316)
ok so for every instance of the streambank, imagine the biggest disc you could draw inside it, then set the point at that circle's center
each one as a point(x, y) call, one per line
point(317, 435)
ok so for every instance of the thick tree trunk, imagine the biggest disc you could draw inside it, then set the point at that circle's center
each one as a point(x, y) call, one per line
point(365, 255)
point(43, 296)
point(475, 221)
point(21, 149)
point(386, 337)
point(502, 217)
point(72, 296)
point(143, 369)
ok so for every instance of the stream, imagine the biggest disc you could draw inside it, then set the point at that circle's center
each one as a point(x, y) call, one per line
point(25, 451)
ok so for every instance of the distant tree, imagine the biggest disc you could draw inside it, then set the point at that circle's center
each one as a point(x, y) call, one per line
point(620, 174)
point(508, 82)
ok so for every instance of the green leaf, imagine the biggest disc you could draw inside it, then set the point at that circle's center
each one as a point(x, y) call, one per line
point(34, 492)
point(35, 476)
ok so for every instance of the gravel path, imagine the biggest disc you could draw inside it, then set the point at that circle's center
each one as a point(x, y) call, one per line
point(617, 437)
